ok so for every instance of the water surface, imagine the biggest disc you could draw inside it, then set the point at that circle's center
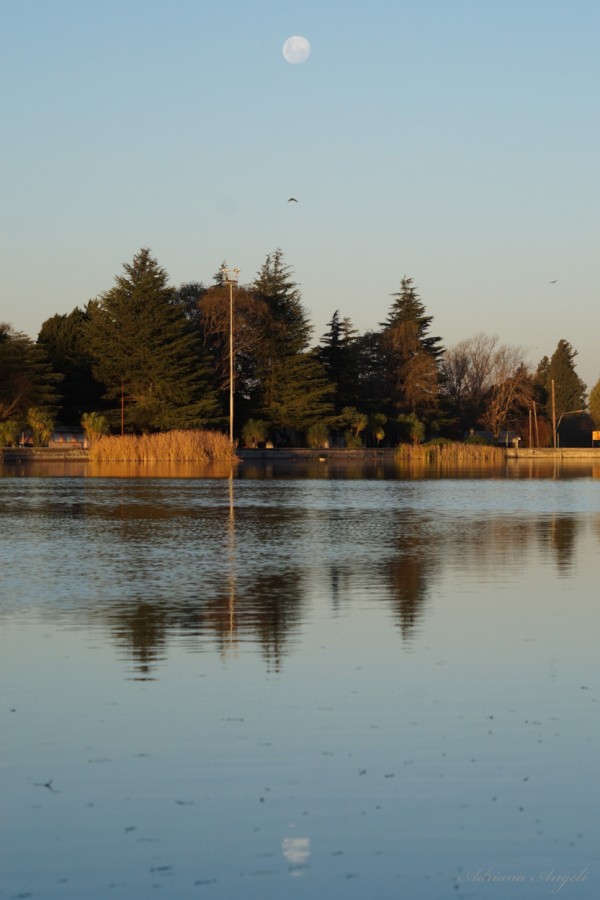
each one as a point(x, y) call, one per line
point(299, 683)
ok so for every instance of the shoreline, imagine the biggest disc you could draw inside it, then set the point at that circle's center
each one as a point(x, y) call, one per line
point(368, 454)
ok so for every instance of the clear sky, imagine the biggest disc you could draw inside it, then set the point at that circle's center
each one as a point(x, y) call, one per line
point(453, 141)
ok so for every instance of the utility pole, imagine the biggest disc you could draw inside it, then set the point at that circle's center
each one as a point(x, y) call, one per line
point(535, 420)
point(230, 277)
point(553, 416)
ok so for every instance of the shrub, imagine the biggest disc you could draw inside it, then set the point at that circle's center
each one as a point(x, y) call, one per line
point(41, 424)
point(412, 428)
point(375, 426)
point(254, 432)
point(95, 426)
point(317, 435)
point(352, 441)
point(9, 433)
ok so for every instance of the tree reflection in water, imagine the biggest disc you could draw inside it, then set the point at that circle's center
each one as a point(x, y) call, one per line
point(265, 605)
point(238, 563)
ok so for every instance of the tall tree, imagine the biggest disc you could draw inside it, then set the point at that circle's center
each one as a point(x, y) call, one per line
point(508, 401)
point(411, 355)
point(189, 296)
point(469, 371)
point(301, 395)
point(289, 329)
point(338, 354)
point(26, 378)
point(145, 351)
point(283, 369)
point(408, 310)
point(372, 382)
point(63, 338)
point(595, 404)
point(569, 389)
point(250, 324)
point(486, 383)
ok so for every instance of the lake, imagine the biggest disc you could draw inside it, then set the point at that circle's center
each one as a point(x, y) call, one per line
point(299, 681)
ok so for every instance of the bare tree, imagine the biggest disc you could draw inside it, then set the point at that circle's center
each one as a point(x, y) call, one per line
point(510, 395)
point(250, 323)
point(486, 382)
point(468, 370)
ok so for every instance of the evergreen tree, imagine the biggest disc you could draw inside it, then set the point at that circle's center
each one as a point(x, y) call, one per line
point(595, 404)
point(289, 329)
point(63, 338)
point(301, 395)
point(145, 352)
point(289, 386)
point(372, 383)
point(407, 314)
point(189, 296)
point(569, 389)
point(410, 355)
point(338, 354)
point(26, 378)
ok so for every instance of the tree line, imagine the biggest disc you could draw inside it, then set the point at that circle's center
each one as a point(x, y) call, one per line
point(146, 356)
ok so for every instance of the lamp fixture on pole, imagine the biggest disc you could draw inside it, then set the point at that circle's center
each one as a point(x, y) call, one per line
point(230, 277)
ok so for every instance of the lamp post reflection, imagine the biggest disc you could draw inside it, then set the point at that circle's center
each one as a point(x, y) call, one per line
point(231, 569)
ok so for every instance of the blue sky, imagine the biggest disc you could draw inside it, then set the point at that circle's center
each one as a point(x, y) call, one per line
point(453, 141)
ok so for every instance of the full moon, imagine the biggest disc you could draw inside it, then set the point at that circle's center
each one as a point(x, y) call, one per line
point(296, 49)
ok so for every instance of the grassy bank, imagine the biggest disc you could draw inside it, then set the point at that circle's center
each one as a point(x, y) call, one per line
point(451, 453)
point(168, 446)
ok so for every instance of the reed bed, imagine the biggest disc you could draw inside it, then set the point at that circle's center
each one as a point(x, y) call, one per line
point(167, 446)
point(451, 454)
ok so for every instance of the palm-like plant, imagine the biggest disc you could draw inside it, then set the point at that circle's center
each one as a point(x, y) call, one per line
point(42, 425)
point(95, 425)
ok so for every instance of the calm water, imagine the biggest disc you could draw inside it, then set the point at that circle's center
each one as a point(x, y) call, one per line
point(355, 685)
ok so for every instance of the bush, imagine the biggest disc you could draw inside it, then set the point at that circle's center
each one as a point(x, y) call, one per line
point(254, 432)
point(375, 426)
point(352, 441)
point(412, 428)
point(477, 439)
point(42, 425)
point(9, 433)
point(317, 436)
point(95, 426)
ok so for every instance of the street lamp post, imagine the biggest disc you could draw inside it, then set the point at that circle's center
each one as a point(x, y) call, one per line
point(230, 277)
point(570, 412)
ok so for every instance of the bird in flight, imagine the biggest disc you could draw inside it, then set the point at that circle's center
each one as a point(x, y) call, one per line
point(292, 200)
point(553, 282)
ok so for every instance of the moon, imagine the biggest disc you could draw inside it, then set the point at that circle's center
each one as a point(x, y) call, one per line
point(296, 49)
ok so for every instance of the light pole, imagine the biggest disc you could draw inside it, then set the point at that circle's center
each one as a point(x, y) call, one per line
point(570, 412)
point(230, 277)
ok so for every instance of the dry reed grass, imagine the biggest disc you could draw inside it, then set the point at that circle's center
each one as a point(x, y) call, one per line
point(167, 446)
point(452, 454)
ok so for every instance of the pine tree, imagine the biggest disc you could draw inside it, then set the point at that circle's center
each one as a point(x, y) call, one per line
point(63, 338)
point(569, 389)
point(300, 396)
point(145, 352)
point(26, 378)
point(289, 327)
point(338, 354)
point(407, 315)
point(410, 355)
point(595, 404)
point(289, 386)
